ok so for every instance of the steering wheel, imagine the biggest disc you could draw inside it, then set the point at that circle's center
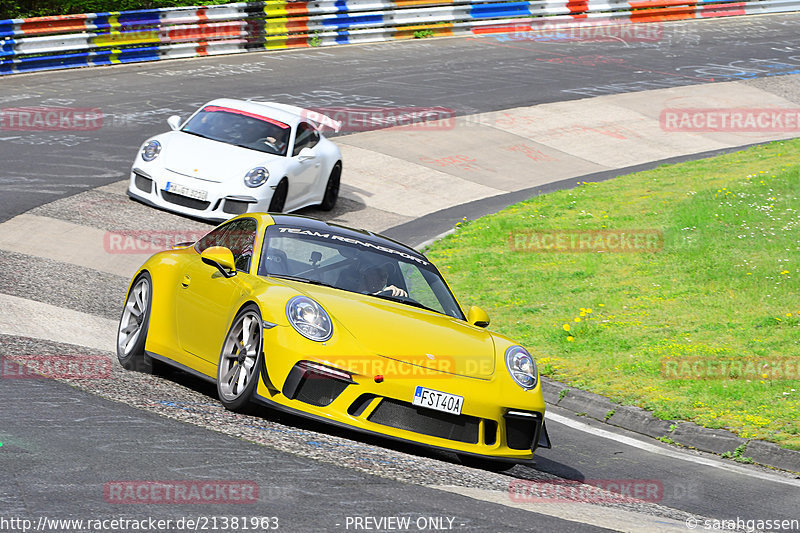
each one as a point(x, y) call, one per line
point(270, 142)
point(388, 292)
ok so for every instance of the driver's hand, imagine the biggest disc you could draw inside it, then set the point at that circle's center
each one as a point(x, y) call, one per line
point(396, 291)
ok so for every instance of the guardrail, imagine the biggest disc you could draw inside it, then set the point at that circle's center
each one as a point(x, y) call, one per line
point(46, 43)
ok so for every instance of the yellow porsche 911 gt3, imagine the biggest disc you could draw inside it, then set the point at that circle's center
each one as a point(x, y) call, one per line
point(340, 325)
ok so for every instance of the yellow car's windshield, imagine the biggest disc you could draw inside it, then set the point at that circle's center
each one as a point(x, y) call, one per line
point(356, 263)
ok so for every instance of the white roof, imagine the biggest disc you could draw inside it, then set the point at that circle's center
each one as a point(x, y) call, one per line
point(288, 114)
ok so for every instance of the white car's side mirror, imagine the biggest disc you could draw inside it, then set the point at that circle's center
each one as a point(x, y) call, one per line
point(306, 154)
point(174, 122)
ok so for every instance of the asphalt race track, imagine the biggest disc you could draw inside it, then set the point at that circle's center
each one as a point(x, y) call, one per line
point(64, 443)
point(467, 75)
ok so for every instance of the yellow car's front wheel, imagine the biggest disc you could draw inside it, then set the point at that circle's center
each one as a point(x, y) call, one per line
point(238, 371)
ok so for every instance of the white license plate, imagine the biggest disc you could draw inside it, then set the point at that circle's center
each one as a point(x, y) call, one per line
point(441, 401)
point(176, 188)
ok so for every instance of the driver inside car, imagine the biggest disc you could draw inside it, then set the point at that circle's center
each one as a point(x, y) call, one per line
point(374, 279)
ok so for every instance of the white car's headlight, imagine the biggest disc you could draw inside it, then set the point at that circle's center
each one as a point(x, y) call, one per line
point(522, 367)
point(257, 176)
point(309, 318)
point(151, 150)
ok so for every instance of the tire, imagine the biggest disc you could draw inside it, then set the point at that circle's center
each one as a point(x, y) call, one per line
point(239, 365)
point(279, 197)
point(134, 324)
point(332, 188)
point(492, 465)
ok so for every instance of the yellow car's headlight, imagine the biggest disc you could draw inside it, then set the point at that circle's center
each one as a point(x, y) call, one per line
point(522, 367)
point(309, 318)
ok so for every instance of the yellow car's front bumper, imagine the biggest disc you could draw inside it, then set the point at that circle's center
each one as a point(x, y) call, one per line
point(498, 418)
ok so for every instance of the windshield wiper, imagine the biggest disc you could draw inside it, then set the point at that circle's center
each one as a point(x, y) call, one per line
point(407, 301)
point(197, 134)
point(303, 280)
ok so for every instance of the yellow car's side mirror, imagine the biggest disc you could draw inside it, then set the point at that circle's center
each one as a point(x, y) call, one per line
point(221, 258)
point(477, 317)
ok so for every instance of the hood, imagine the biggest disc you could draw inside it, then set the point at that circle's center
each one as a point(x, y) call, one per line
point(208, 160)
point(403, 334)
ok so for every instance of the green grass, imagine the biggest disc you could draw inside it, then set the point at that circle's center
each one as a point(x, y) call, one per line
point(726, 285)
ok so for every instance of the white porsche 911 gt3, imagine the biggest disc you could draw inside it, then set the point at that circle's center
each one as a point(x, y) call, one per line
point(233, 156)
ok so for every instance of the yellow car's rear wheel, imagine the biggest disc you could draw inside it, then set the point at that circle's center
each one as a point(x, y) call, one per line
point(133, 326)
point(240, 359)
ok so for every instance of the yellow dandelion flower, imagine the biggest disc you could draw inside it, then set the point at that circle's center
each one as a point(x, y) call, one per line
point(577, 319)
point(570, 338)
point(785, 272)
point(789, 314)
point(566, 327)
point(583, 313)
point(589, 310)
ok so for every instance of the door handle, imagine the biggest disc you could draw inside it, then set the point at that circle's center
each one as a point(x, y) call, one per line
point(186, 280)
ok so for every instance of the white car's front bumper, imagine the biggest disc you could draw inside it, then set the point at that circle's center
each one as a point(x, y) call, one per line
point(220, 204)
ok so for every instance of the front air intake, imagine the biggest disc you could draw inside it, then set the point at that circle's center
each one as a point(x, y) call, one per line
point(315, 384)
point(402, 415)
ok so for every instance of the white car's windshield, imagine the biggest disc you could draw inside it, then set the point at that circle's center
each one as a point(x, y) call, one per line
point(240, 128)
point(356, 265)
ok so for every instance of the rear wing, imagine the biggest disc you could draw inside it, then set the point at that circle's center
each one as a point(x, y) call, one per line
point(316, 117)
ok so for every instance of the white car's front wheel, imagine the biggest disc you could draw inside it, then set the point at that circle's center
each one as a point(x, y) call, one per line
point(279, 197)
point(332, 188)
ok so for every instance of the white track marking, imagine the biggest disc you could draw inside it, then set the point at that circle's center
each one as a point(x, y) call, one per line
point(36, 320)
point(583, 513)
point(675, 454)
